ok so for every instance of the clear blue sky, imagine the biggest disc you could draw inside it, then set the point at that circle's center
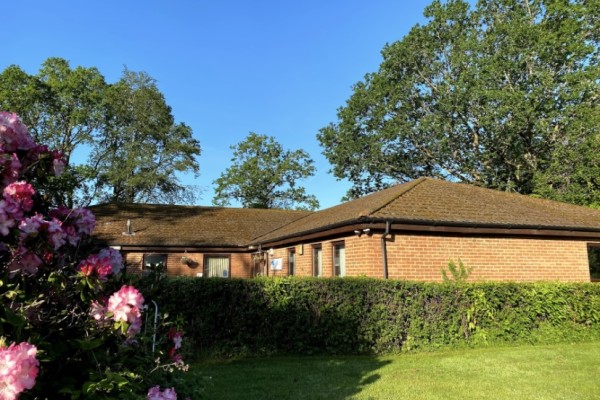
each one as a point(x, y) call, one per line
point(280, 68)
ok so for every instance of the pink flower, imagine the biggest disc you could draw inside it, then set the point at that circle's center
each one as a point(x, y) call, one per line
point(31, 226)
point(113, 257)
point(24, 260)
point(125, 305)
point(21, 193)
point(97, 310)
point(75, 223)
point(10, 167)
point(84, 221)
point(6, 219)
point(156, 394)
point(94, 264)
point(18, 369)
point(13, 134)
point(58, 163)
point(175, 336)
point(56, 235)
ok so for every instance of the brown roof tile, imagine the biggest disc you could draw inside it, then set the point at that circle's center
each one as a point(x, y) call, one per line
point(435, 202)
point(424, 201)
point(192, 226)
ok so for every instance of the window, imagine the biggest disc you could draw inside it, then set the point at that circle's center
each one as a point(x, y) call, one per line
point(317, 261)
point(216, 266)
point(594, 261)
point(291, 261)
point(154, 261)
point(339, 259)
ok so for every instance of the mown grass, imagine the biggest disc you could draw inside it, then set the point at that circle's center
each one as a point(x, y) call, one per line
point(565, 371)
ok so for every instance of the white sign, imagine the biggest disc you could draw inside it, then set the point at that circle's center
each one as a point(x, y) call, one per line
point(276, 264)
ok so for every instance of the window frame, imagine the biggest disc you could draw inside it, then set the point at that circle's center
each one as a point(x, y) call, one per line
point(595, 248)
point(216, 255)
point(336, 246)
point(317, 262)
point(291, 261)
point(164, 255)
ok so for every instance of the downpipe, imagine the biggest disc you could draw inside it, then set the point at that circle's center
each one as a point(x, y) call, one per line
point(384, 237)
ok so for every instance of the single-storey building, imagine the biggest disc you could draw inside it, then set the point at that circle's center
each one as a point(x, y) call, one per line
point(409, 231)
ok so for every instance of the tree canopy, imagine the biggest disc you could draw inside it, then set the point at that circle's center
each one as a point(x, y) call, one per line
point(136, 148)
point(496, 95)
point(264, 175)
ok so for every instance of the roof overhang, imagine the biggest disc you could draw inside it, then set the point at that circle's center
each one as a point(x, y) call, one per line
point(438, 228)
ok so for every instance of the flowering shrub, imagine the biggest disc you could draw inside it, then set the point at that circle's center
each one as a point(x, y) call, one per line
point(66, 303)
point(156, 394)
point(18, 369)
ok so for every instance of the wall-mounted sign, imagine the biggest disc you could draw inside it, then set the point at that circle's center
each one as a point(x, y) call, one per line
point(276, 264)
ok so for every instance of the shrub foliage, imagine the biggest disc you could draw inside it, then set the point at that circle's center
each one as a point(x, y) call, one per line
point(362, 315)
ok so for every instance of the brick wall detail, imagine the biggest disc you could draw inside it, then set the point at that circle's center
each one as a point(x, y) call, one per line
point(414, 257)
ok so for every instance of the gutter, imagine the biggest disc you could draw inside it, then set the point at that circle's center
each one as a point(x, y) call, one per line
point(432, 226)
point(384, 237)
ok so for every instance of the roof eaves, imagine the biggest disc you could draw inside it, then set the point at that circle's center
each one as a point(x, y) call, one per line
point(433, 223)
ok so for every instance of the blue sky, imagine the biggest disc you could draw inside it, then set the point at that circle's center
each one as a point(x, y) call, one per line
point(280, 68)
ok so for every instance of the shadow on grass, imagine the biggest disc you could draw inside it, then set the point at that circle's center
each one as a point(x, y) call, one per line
point(332, 378)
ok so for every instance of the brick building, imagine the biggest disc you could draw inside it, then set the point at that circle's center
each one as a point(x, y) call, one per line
point(409, 231)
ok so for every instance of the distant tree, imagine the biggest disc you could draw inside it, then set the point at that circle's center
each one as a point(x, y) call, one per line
point(264, 175)
point(141, 148)
point(491, 96)
point(136, 147)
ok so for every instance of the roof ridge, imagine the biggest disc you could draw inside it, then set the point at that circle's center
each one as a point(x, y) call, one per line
point(284, 225)
point(409, 186)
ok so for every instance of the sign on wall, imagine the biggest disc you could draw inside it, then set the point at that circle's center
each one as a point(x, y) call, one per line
point(276, 264)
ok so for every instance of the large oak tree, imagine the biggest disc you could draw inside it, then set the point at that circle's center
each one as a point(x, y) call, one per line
point(503, 95)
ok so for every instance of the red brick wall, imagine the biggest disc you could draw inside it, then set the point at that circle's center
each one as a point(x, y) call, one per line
point(416, 257)
point(363, 257)
point(240, 264)
point(422, 257)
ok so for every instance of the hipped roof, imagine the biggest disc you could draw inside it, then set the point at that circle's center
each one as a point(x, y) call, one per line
point(424, 202)
point(186, 226)
point(428, 201)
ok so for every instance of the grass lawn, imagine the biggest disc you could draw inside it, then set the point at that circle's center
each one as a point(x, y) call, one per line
point(566, 371)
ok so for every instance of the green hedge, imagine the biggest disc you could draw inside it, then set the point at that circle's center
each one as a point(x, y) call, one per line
point(360, 315)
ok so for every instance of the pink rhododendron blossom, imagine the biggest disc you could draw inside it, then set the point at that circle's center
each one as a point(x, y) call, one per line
point(156, 394)
point(21, 193)
point(98, 310)
point(113, 257)
point(56, 235)
point(31, 226)
point(10, 167)
point(126, 305)
point(75, 223)
point(13, 134)
point(176, 337)
point(84, 220)
point(94, 265)
point(24, 260)
point(58, 163)
point(18, 369)
point(36, 225)
point(6, 219)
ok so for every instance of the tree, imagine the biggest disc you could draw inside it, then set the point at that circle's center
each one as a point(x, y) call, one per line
point(486, 96)
point(136, 147)
point(264, 175)
point(63, 109)
point(141, 148)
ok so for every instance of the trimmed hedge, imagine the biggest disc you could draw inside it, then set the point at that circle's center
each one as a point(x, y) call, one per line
point(361, 315)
